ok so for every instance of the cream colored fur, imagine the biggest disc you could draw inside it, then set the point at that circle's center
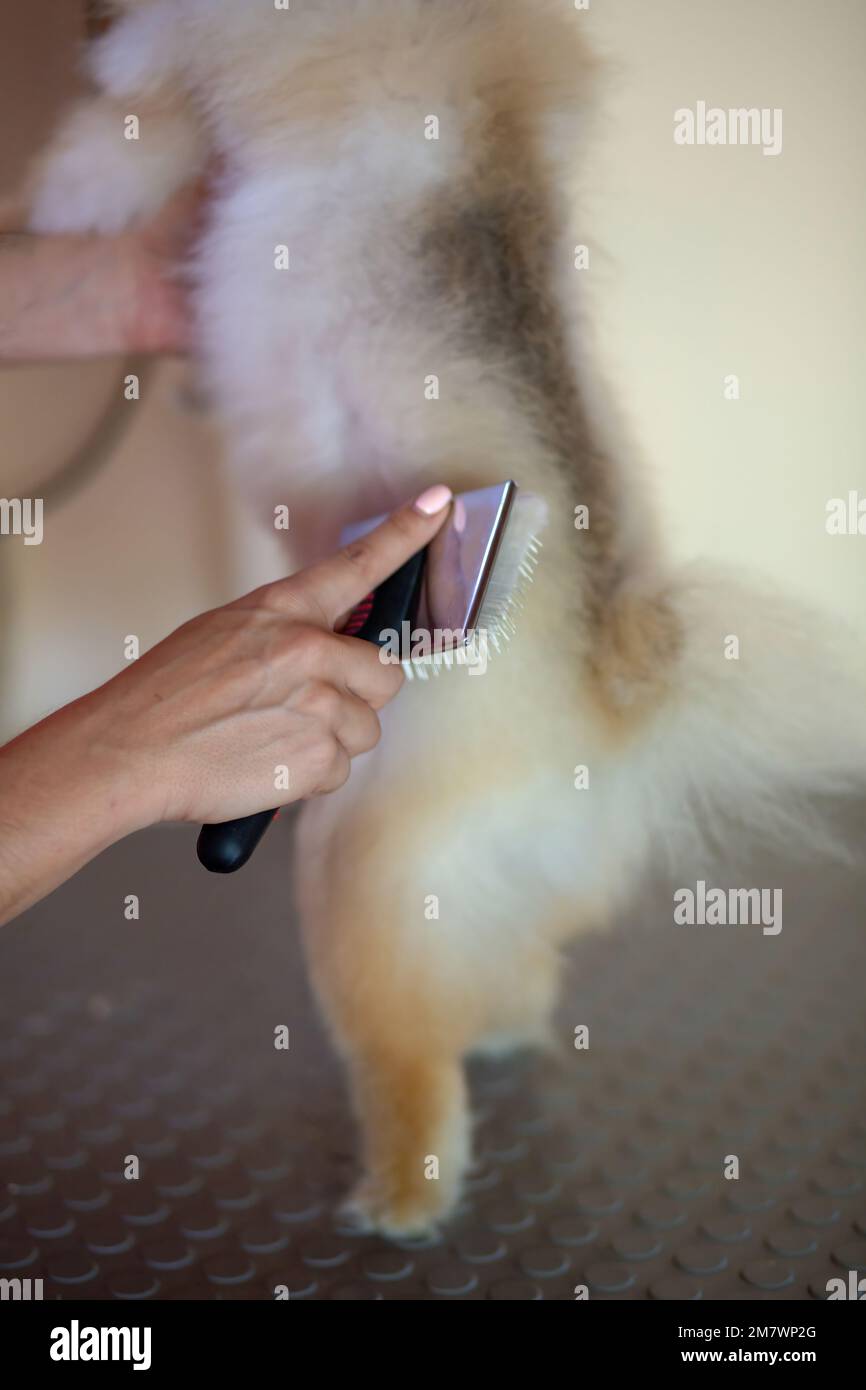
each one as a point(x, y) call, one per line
point(438, 886)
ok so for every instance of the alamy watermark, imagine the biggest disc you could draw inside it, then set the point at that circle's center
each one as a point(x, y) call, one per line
point(22, 516)
point(422, 647)
point(729, 907)
point(846, 516)
point(852, 1289)
point(21, 1290)
point(740, 125)
point(77, 1343)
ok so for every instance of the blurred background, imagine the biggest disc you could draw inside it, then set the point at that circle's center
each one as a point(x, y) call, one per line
point(153, 1036)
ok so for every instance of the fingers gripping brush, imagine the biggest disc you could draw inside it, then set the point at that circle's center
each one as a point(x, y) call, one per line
point(446, 607)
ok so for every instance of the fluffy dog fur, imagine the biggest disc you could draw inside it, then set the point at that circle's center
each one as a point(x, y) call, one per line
point(412, 257)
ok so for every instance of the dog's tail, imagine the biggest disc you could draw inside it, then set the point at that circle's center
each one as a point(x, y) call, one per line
point(740, 714)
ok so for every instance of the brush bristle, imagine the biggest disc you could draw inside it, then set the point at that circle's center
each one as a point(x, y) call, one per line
point(513, 571)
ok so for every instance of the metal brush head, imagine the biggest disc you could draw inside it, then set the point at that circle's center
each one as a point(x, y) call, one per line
point(476, 569)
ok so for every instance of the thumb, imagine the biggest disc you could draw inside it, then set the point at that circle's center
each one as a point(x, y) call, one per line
point(336, 585)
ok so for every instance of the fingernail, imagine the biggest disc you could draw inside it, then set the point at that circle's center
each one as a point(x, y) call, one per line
point(433, 500)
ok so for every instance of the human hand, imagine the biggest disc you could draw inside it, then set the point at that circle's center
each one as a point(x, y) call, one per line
point(196, 728)
point(201, 723)
point(208, 716)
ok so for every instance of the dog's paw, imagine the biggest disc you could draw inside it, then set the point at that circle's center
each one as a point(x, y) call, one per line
point(410, 1214)
point(95, 177)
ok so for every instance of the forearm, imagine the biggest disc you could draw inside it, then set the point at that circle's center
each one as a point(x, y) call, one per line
point(63, 297)
point(69, 296)
point(62, 801)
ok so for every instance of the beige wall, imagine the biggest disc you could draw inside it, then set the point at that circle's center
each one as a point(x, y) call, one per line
point(704, 262)
point(723, 260)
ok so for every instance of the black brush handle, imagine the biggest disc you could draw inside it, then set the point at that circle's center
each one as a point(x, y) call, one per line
point(394, 602)
point(226, 847)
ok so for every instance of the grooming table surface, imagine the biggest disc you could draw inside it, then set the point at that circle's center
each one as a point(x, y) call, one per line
point(155, 1038)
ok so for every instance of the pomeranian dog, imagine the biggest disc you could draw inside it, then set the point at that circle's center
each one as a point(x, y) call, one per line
point(412, 160)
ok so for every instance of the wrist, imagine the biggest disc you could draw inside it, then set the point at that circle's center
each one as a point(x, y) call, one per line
point(66, 774)
point(105, 775)
point(61, 804)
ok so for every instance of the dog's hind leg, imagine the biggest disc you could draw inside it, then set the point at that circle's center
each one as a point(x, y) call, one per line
point(412, 1107)
point(400, 1028)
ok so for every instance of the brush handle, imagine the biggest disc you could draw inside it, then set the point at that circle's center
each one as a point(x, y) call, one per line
point(226, 847)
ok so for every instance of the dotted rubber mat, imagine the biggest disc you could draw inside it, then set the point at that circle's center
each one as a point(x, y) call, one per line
point(155, 1038)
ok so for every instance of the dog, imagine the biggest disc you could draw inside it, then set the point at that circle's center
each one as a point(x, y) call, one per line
point(412, 163)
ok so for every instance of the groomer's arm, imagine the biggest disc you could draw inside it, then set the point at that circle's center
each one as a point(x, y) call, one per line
point(64, 297)
point(95, 296)
point(196, 728)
